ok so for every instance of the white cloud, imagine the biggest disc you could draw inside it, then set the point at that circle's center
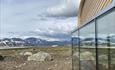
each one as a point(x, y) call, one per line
point(25, 19)
point(58, 28)
point(52, 29)
point(67, 9)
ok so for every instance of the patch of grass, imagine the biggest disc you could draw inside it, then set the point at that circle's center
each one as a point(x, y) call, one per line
point(15, 51)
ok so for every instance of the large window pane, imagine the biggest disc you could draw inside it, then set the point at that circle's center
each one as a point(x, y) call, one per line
point(75, 44)
point(106, 40)
point(87, 47)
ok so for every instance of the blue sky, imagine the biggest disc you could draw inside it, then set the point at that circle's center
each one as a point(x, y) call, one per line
point(45, 19)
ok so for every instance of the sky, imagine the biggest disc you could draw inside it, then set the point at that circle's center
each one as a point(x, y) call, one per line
point(45, 19)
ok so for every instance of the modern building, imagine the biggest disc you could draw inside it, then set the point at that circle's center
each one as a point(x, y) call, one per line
point(93, 42)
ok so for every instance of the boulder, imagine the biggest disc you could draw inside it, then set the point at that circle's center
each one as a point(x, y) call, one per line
point(1, 58)
point(87, 60)
point(40, 56)
point(84, 55)
point(103, 61)
point(10, 58)
point(103, 57)
point(76, 54)
point(28, 53)
point(87, 56)
point(23, 53)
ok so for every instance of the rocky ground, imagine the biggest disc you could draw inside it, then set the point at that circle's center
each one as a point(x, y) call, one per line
point(57, 61)
point(64, 64)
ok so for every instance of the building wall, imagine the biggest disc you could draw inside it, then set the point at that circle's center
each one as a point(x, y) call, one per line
point(90, 8)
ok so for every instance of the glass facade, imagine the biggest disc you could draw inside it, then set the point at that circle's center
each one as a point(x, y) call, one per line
point(75, 49)
point(106, 32)
point(94, 44)
point(87, 55)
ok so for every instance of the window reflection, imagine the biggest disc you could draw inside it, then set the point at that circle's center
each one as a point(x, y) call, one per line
point(87, 49)
point(106, 31)
point(84, 44)
point(75, 49)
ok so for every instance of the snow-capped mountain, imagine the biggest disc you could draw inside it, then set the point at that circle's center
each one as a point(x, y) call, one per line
point(31, 41)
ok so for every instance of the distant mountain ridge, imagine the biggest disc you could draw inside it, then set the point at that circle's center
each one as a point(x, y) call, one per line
point(31, 41)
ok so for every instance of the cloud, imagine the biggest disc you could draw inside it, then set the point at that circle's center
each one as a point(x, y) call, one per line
point(27, 19)
point(53, 29)
point(57, 28)
point(67, 9)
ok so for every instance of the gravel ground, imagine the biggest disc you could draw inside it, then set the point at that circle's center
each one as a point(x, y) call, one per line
point(62, 64)
point(61, 61)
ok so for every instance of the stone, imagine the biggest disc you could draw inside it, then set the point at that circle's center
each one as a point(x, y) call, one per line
point(28, 53)
point(86, 56)
point(10, 58)
point(87, 60)
point(1, 58)
point(40, 56)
